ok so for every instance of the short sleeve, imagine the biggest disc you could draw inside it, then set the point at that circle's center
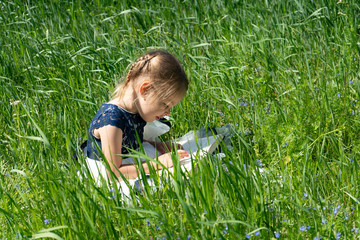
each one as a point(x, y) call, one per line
point(109, 115)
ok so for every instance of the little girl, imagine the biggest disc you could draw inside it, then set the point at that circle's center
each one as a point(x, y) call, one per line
point(155, 83)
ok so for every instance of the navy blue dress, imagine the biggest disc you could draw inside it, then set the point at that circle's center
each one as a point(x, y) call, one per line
point(131, 124)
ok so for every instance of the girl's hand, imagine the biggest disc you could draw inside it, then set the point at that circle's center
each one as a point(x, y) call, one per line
point(166, 159)
point(165, 147)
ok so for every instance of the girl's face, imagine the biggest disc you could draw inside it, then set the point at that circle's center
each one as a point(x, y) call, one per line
point(152, 107)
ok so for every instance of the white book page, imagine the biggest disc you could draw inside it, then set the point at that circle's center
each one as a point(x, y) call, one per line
point(195, 147)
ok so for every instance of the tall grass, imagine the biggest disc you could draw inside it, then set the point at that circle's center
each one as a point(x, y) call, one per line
point(284, 74)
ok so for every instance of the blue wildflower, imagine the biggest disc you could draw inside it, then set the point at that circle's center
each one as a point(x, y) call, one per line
point(302, 228)
point(224, 232)
point(226, 228)
point(351, 82)
point(247, 236)
point(147, 222)
point(305, 195)
point(259, 163)
point(277, 235)
point(257, 233)
point(308, 227)
point(336, 209)
point(47, 221)
point(157, 227)
point(189, 236)
point(338, 235)
point(338, 95)
point(324, 220)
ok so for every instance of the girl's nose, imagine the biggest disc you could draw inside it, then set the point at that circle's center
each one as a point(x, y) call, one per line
point(167, 113)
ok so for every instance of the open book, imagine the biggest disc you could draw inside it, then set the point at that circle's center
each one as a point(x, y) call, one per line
point(199, 147)
point(194, 146)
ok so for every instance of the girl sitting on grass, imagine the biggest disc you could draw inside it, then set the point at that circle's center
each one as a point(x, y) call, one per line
point(155, 83)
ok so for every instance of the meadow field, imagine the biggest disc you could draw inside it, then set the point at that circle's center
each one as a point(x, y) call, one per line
point(283, 74)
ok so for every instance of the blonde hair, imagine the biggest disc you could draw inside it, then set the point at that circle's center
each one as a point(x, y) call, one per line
point(167, 76)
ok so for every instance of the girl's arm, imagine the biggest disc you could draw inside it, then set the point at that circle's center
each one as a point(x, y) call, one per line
point(111, 143)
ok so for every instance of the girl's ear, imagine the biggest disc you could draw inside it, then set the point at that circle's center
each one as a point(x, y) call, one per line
point(144, 89)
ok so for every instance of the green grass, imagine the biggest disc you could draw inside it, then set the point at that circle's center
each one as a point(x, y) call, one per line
point(285, 74)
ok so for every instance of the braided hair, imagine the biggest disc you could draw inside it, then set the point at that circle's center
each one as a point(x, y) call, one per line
point(167, 76)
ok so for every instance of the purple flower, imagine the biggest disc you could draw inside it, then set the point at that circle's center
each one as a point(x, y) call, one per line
point(259, 163)
point(338, 235)
point(47, 221)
